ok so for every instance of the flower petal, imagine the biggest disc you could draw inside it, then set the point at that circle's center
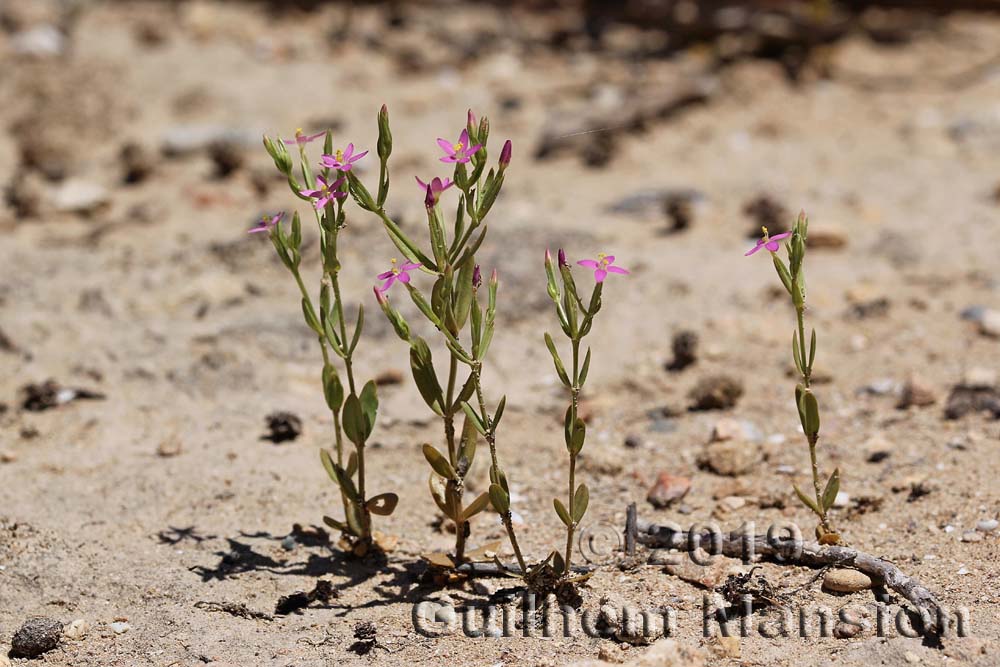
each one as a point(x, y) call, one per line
point(348, 152)
point(464, 138)
point(610, 259)
point(754, 249)
point(388, 283)
point(618, 270)
point(409, 266)
point(423, 186)
point(384, 275)
point(772, 245)
point(358, 156)
point(589, 263)
point(778, 237)
point(600, 275)
point(446, 146)
point(472, 151)
point(403, 277)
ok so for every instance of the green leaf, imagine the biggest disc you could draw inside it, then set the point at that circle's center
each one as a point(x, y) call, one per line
point(579, 436)
point(585, 368)
point(333, 390)
point(560, 369)
point(424, 375)
point(476, 506)
point(346, 483)
point(358, 327)
point(810, 414)
point(580, 501)
point(561, 511)
point(310, 316)
point(499, 413)
point(369, 406)
point(336, 525)
point(812, 348)
point(786, 277)
point(354, 423)
point(831, 490)
point(470, 438)
point(354, 519)
point(352, 464)
point(438, 493)
point(383, 504)
point(558, 563)
point(468, 389)
point(439, 463)
point(499, 499)
point(327, 461)
point(796, 354)
point(463, 293)
point(809, 502)
point(477, 422)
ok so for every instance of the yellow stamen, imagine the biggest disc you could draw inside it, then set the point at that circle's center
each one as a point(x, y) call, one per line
point(457, 147)
point(395, 269)
point(339, 155)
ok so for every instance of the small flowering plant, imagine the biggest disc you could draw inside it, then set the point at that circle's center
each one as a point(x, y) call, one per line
point(353, 407)
point(576, 319)
point(454, 308)
point(793, 279)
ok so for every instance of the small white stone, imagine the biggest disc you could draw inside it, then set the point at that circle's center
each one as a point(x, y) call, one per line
point(949, 529)
point(987, 525)
point(76, 196)
point(911, 658)
point(963, 570)
point(120, 627)
point(972, 536)
point(989, 323)
point(77, 629)
point(843, 499)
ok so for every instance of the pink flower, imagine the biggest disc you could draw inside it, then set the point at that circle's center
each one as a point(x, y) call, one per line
point(436, 187)
point(342, 160)
point(459, 151)
point(769, 242)
point(400, 273)
point(602, 266)
point(266, 224)
point(326, 193)
point(302, 139)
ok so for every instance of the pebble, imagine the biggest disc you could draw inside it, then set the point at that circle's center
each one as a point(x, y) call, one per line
point(842, 500)
point(987, 525)
point(731, 458)
point(917, 392)
point(288, 544)
point(77, 629)
point(633, 441)
point(732, 503)
point(41, 41)
point(844, 630)
point(120, 627)
point(715, 392)
point(972, 536)
point(7, 456)
point(37, 636)
point(880, 387)
point(668, 489)
point(78, 196)
point(989, 323)
point(846, 581)
point(972, 313)
point(911, 657)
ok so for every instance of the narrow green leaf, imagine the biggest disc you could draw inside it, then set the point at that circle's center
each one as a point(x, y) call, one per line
point(333, 390)
point(812, 349)
point(580, 501)
point(470, 438)
point(810, 413)
point(499, 412)
point(369, 406)
point(327, 460)
point(560, 369)
point(476, 420)
point(476, 506)
point(809, 502)
point(562, 512)
point(358, 327)
point(831, 490)
point(336, 525)
point(796, 354)
point(439, 463)
point(585, 369)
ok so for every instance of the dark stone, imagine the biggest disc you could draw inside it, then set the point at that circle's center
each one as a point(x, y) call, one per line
point(685, 349)
point(715, 392)
point(37, 636)
point(282, 427)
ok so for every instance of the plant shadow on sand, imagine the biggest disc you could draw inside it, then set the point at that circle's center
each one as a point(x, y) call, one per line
point(398, 582)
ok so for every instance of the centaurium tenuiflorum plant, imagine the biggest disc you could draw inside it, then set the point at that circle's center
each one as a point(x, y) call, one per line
point(576, 319)
point(354, 412)
point(453, 308)
point(793, 279)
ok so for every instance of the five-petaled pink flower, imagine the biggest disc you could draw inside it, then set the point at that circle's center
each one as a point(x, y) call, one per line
point(460, 151)
point(602, 266)
point(400, 273)
point(303, 139)
point(342, 160)
point(769, 242)
point(436, 186)
point(265, 224)
point(325, 193)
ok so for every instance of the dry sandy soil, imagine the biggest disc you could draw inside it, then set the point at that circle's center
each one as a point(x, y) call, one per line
point(140, 506)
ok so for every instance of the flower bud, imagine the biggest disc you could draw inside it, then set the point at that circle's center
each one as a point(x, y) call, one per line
point(505, 155)
point(384, 145)
point(494, 280)
point(278, 153)
point(429, 200)
point(562, 258)
point(477, 277)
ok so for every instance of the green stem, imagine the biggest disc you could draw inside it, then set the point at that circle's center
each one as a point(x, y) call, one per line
point(492, 442)
point(571, 528)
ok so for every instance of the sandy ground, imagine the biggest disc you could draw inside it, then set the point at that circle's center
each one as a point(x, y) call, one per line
point(191, 330)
